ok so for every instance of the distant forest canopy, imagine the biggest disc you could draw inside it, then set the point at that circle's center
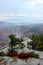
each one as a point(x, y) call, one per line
point(37, 42)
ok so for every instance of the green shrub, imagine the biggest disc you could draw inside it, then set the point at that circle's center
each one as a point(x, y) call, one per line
point(32, 52)
point(41, 48)
point(2, 53)
point(15, 52)
point(37, 48)
point(36, 55)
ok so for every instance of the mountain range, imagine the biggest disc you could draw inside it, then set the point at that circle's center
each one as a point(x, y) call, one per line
point(7, 28)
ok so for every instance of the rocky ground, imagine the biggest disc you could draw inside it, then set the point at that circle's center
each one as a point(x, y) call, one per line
point(12, 61)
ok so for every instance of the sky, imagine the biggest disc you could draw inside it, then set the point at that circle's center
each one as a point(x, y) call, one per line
point(21, 11)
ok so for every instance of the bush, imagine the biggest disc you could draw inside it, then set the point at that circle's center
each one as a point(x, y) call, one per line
point(2, 53)
point(36, 55)
point(25, 55)
point(32, 52)
point(37, 48)
point(11, 54)
point(41, 48)
point(15, 52)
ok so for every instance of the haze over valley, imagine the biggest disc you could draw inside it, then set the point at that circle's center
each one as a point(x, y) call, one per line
point(7, 28)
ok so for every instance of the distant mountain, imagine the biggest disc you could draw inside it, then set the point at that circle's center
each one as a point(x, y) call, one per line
point(7, 28)
point(4, 25)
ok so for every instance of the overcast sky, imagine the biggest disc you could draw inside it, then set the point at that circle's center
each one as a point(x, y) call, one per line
point(21, 11)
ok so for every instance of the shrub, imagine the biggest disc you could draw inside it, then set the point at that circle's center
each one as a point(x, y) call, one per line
point(41, 48)
point(11, 54)
point(15, 52)
point(36, 55)
point(2, 53)
point(25, 55)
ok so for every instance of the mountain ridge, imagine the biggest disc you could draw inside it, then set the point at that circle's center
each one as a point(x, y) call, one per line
point(7, 28)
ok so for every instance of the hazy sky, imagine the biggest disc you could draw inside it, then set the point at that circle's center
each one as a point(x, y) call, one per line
point(21, 11)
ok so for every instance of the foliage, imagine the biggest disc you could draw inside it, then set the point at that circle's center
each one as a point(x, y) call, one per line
point(25, 55)
point(41, 48)
point(11, 54)
point(37, 42)
point(35, 55)
point(15, 41)
point(22, 46)
point(2, 53)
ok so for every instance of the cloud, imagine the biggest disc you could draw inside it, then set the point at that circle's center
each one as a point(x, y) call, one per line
point(31, 4)
point(21, 14)
point(11, 15)
point(2, 18)
point(5, 16)
point(21, 9)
